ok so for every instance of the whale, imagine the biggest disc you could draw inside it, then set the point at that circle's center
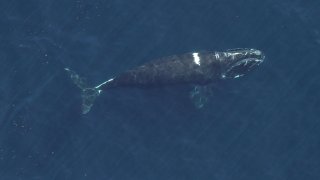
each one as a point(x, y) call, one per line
point(196, 68)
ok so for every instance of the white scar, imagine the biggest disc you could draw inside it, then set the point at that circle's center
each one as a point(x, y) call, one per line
point(196, 58)
point(97, 87)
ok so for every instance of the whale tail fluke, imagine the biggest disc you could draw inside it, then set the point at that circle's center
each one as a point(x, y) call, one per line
point(88, 94)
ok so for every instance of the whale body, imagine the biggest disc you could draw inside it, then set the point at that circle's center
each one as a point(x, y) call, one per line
point(199, 68)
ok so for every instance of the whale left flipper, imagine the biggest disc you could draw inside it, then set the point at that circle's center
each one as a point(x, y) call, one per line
point(200, 95)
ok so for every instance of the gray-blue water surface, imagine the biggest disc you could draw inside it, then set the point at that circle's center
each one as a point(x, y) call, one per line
point(262, 126)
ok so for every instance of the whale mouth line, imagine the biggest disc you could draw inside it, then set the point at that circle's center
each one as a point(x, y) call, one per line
point(241, 67)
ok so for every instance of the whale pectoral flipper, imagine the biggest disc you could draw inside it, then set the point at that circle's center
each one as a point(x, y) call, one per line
point(88, 94)
point(200, 95)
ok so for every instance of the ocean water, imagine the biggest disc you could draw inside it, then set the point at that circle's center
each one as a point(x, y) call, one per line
point(263, 126)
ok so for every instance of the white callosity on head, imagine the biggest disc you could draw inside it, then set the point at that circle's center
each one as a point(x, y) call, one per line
point(257, 52)
point(217, 55)
point(196, 58)
point(232, 55)
point(238, 75)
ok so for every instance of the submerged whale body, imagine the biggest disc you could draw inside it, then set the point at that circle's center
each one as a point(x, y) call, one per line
point(199, 68)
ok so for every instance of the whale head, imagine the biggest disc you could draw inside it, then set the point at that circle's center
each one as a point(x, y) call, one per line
point(238, 62)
